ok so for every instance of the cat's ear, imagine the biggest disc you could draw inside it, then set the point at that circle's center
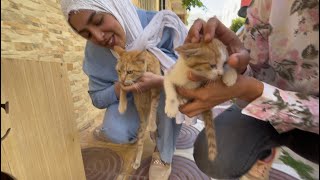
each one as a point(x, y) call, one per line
point(141, 55)
point(119, 50)
point(188, 50)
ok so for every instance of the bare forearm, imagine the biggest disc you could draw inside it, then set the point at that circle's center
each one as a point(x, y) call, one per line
point(250, 88)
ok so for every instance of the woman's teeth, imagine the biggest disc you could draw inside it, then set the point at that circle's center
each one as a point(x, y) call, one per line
point(110, 42)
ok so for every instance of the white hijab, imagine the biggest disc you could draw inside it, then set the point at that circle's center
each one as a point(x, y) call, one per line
point(137, 37)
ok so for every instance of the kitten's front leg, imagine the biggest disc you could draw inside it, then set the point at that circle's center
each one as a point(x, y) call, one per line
point(122, 101)
point(229, 77)
point(172, 103)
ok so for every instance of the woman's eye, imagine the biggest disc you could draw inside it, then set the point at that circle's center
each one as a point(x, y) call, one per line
point(99, 21)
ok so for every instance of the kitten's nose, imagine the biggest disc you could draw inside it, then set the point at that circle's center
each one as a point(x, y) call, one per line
point(213, 66)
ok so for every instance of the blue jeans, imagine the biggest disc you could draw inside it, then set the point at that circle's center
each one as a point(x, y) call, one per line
point(122, 128)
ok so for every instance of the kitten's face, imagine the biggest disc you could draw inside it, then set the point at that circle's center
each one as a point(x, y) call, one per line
point(205, 59)
point(131, 65)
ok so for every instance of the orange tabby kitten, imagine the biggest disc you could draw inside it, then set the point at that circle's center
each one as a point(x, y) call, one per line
point(130, 67)
point(203, 59)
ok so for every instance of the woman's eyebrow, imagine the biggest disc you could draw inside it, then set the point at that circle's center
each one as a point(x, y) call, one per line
point(88, 21)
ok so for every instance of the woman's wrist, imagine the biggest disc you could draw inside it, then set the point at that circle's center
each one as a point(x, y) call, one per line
point(159, 83)
point(250, 88)
point(117, 89)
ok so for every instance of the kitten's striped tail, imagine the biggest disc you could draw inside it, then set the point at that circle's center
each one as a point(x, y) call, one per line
point(211, 135)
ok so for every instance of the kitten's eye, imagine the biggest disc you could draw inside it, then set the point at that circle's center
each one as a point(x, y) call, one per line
point(129, 72)
point(213, 65)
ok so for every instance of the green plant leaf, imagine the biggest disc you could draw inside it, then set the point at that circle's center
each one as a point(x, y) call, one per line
point(237, 23)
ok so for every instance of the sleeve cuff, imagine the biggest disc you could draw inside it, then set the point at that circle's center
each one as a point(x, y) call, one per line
point(248, 71)
point(258, 110)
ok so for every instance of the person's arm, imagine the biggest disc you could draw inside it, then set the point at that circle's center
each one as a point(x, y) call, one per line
point(214, 93)
point(99, 66)
point(102, 98)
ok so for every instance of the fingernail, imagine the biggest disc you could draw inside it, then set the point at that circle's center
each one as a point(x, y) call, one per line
point(207, 37)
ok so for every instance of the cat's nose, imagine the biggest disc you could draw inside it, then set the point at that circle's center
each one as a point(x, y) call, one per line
point(122, 78)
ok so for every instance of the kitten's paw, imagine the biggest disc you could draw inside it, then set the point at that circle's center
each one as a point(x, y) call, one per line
point(122, 108)
point(152, 127)
point(183, 100)
point(172, 107)
point(136, 165)
point(229, 78)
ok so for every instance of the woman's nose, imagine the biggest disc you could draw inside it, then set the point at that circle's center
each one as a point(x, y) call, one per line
point(98, 36)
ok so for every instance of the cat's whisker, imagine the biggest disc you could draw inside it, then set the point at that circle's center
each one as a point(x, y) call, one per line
point(138, 88)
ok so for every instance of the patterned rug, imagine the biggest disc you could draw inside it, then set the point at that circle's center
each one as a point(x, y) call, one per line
point(101, 163)
point(187, 136)
point(279, 175)
point(105, 164)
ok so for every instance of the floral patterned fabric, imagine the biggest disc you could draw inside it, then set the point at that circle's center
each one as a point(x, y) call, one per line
point(282, 37)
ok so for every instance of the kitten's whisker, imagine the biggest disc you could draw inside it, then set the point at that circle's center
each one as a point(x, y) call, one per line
point(207, 82)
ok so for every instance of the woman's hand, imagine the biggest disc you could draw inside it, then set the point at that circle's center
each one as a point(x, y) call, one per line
point(147, 81)
point(214, 93)
point(206, 31)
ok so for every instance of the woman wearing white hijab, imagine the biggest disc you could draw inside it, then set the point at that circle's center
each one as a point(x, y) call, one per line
point(106, 23)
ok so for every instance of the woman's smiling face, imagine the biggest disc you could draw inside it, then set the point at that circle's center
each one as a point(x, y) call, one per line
point(101, 28)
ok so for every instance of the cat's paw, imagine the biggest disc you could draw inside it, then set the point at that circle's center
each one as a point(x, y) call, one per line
point(152, 127)
point(122, 108)
point(172, 107)
point(182, 101)
point(230, 77)
point(136, 164)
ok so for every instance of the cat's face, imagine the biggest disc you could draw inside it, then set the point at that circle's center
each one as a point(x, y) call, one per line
point(205, 59)
point(131, 65)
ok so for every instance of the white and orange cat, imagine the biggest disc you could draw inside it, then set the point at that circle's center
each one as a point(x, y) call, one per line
point(130, 67)
point(206, 60)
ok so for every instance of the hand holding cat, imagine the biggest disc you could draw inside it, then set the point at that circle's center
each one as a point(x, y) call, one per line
point(147, 81)
point(215, 93)
point(206, 31)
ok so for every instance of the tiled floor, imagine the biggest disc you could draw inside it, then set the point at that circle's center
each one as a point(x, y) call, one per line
point(123, 155)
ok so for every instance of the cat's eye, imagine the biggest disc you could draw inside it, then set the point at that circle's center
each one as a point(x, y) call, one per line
point(129, 72)
point(213, 65)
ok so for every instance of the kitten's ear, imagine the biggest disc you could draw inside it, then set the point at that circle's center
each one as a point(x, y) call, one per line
point(119, 50)
point(190, 49)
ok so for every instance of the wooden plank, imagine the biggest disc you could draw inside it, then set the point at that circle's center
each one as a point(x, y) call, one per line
point(66, 114)
point(23, 150)
point(55, 157)
point(43, 142)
